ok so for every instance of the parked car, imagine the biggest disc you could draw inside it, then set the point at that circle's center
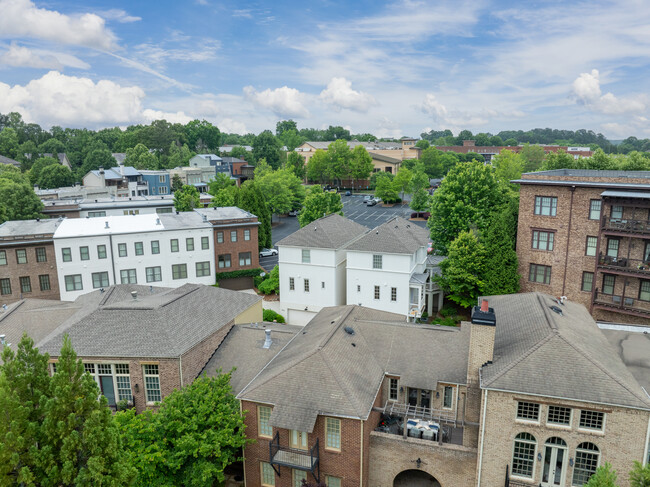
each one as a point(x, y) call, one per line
point(421, 214)
point(371, 202)
point(348, 193)
point(294, 212)
point(268, 252)
point(367, 198)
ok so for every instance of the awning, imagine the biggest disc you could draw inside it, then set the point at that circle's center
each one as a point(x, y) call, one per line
point(419, 278)
point(626, 194)
point(293, 418)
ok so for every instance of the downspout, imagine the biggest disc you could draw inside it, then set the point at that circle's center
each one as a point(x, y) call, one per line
point(110, 241)
point(180, 368)
point(480, 457)
point(568, 238)
point(457, 396)
point(646, 453)
point(243, 450)
point(361, 470)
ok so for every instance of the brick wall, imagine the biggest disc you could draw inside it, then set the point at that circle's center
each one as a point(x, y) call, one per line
point(31, 269)
point(195, 359)
point(235, 248)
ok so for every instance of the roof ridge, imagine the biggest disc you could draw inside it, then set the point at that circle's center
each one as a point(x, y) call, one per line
point(10, 312)
point(342, 320)
point(108, 294)
point(184, 294)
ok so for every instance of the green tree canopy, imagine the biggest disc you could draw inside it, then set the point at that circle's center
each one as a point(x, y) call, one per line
point(282, 190)
point(402, 181)
point(285, 125)
point(640, 475)
point(266, 146)
point(339, 157)
point(319, 204)
point(240, 152)
point(361, 165)
point(508, 165)
point(202, 136)
point(187, 198)
point(318, 167)
point(422, 144)
point(223, 190)
point(296, 164)
point(420, 200)
point(94, 160)
point(55, 176)
point(140, 158)
point(533, 157)
point(291, 139)
point(39, 165)
point(249, 198)
point(177, 183)
point(386, 190)
point(9, 143)
point(604, 477)
point(501, 262)
point(18, 201)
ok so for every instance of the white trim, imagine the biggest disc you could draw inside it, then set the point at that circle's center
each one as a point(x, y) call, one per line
point(480, 457)
point(646, 452)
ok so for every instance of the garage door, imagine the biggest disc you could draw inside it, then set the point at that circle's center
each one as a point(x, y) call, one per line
point(299, 317)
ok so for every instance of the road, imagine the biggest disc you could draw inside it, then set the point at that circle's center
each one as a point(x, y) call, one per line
point(353, 208)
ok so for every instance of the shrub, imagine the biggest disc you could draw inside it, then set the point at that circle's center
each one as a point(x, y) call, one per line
point(271, 282)
point(425, 315)
point(447, 311)
point(240, 273)
point(444, 321)
point(270, 315)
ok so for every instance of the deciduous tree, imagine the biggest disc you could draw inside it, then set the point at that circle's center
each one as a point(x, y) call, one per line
point(55, 176)
point(266, 146)
point(9, 143)
point(317, 167)
point(187, 198)
point(249, 198)
point(140, 158)
point(508, 165)
point(296, 164)
point(319, 204)
point(386, 190)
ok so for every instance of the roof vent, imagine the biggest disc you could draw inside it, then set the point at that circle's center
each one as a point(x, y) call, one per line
point(4, 307)
point(157, 221)
point(134, 294)
point(556, 310)
point(205, 218)
point(267, 340)
point(3, 340)
point(349, 330)
point(484, 315)
point(151, 289)
point(101, 290)
point(106, 225)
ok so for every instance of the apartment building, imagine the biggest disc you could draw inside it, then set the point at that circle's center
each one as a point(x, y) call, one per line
point(159, 250)
point(488, 152)
point(27, 260)
point(584, 234)
point(119, 181)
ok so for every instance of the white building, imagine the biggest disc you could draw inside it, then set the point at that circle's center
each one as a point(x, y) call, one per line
point(312, 266)
point(166, 250)
point(133, 205)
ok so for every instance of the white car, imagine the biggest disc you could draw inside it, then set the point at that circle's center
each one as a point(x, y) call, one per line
point(268, 252)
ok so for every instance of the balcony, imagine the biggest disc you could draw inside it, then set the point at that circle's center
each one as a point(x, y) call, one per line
point(622, 304)
point(621, 265)
point(285, 456)
point(617, 226)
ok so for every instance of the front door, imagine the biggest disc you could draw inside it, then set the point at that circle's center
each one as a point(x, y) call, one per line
point(554, 467)
point(106, 383)
point(299, 439)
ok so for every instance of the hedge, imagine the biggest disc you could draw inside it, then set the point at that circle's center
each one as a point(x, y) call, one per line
point(270, 315)
point(240, 273)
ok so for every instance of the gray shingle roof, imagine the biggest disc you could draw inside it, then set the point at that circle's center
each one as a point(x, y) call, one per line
point(541, 352)
point(396, 236)
point(165, 323)
point(16, 228)
point(8, 160)
point(592, 173)
point(224, 213)
point(330, 232)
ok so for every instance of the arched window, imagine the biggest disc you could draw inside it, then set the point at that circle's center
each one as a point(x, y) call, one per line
point(523, 455)
point(554, 440)
point(586, 463)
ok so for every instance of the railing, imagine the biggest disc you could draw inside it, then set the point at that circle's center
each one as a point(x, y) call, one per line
point(622, 302)
point(393, 408)
point(516, 483)
point(626, 226)
point(636, 266)
point(307, 460)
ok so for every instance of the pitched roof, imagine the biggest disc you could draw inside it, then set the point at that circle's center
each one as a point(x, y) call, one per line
point(330, 232)
point(539, 351)
point(8, 160)
point(633, 346)
point(383, 158)
point(396, 236)
point(160, 323)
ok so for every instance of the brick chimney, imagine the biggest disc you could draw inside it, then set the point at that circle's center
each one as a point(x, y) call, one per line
point(469, 143)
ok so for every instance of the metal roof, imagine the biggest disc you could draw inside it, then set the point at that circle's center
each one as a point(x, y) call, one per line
point(626, 194)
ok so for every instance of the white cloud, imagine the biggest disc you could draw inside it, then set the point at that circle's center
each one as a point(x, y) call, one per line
point(339, 94)
point(230, 126)
point(178, 117)
point(20, 56)
point(586, 89)
point(433, 107)
point(21, 18)
point(388, 129)
point(198, 51)
point(119, 15)
point(284, 102)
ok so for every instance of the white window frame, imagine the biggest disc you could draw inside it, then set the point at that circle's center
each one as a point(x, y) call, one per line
point(444, 396)
point(264, 429)
point(525, 419)
point(92, 368)
point(155, 376)
point(377, 261)
point(333, 440)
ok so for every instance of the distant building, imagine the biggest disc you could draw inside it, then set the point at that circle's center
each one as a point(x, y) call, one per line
point(158, 181)
point(488, 152)
point(121, 181)
point(9, 161)
point(108, 206)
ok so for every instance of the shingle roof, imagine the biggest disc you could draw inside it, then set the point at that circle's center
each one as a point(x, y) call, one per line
point(383, 158)
point(14, 228)
point(396, 236)
point(165, 323)
point(224, 213)
point(8, 160)
point(591, 173)
point(330, 232)
point(541, 352)
point(633, 347)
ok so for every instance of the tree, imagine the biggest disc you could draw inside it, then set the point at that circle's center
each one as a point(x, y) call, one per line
point(604, 477)
point(249, 198)
point(377, 176)
point(140, 158)
point(317, 167)
point(223, 190)
point(419, 200)
point(19, 202)
point(201, 135)
point(27, 154)
point(55, 176)
point(361, 165)
point(266, 146)
point(96, 159)
point(463, 269)
point(240, 152)
point(38, 166)
point(9, 143)
point(558, 160)
point(510, 142)
point(52, 146)
point(271, 284)
point(291, 139)
point(465, 199)
point(195, 434)
point(284, 126)
point(319, 204)
point(179, 155)
point(177, 183)
point(501, 263)
point(335, 133)
point(508, 165)
point(296, 164)
point(640, 475)
point(386, 190)
point(187, 198)
point(340, 160)
point(282, 190)
point(422, 144)
point(402, 181)
point(533, 157)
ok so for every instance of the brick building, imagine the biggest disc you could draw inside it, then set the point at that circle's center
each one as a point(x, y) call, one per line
point(27, 260)
point(585, 234)
point(488, 152)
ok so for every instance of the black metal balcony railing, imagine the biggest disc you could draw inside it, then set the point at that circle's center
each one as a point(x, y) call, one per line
point(285, 456)
point(626, 226)
point(622, 303)
point(632, 266)
point(516, 483)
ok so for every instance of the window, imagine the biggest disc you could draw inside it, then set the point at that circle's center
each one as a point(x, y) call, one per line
point(3, 257)
point(123, 381)
point(333, 433)
point(247, 235)
point(528, 411)
point(587, 281)
point(155, 247)
point(306, 285)
point(139, 248)
point(612, 247)
point(376, 261)
point(202, 269)
point(644, 291)
point(101, 251)
point(591, 246)
point(162, 178)
point(44, 282)
point(298, 477)
point(292, 284)
point(121, 250)
point(128, 276)
point(73, 283)
point(84, 253)
point(66, 254)
point(233, 235)
point(393, 294)
point(322, 284)
point(358, 288)
point(152, 383)
point(617, 212)
point(264, 428)
point(543, 240)
point(586, 463)
point(25, 284)
point(267, 474)
point(306, 256)
point(189, 244)
point(163, 190)
point(5, 286)
point(448, 397)
point(41, 256)
point(100, 279)
point(219, 237)
point(179, 271)
point(559, 415)
point(244, 258)
point(592, 420)
point(21, 256)
point(224, 261)
point(594, 209)
point(132, 212)
point(332, 481)
point(392, 389)
point(540, 273)
point(95, 214)
point(609, 282)
point(153, 274)
point(523, 455)
point(377, 292)
point(205, 243)
point(545, 205)
point(173, 243)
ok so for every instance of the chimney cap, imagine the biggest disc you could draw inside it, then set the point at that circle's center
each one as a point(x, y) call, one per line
point(485, 317)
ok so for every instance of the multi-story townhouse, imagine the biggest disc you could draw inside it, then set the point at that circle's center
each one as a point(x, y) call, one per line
point(27, 260)
point(159, 250)
point(158, 181)
point(312, 264)
point(583, 234)
point(120, 181)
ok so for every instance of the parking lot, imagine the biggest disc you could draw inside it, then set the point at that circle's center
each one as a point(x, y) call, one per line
point(353, 208)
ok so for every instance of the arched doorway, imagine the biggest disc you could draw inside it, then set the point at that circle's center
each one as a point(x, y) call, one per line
point(415, 478)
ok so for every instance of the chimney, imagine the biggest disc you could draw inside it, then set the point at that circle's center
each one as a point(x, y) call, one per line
point(469, 143)
point(267, 340)
point(481, 341)
point(122, 170)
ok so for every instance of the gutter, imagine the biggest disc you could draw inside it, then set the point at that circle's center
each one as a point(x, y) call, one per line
point(480, 457)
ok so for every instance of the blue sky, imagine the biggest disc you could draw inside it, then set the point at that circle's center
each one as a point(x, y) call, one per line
point(388, 68)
